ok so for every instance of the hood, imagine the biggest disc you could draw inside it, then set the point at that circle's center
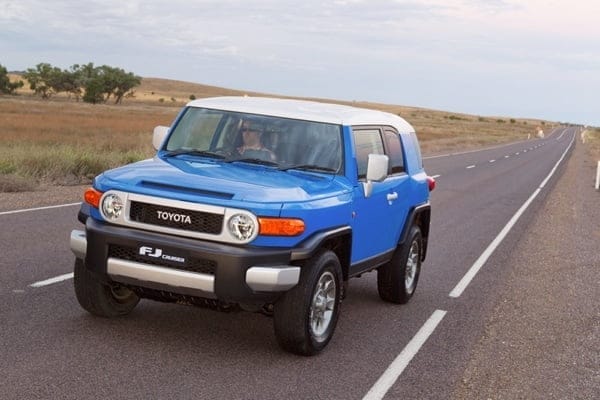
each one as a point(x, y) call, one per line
point(209, 179)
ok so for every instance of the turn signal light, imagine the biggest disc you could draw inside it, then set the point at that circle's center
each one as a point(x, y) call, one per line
point(92, 197)
point(281, 226)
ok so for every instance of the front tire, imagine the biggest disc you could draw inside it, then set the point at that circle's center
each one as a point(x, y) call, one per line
point(397, 280)
point(305, 316)
point(101, 299)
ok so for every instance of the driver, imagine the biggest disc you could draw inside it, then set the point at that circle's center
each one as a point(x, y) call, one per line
point(252, 146)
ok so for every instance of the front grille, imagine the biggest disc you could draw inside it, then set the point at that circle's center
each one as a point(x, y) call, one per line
point(191, 264)
point(170, 217)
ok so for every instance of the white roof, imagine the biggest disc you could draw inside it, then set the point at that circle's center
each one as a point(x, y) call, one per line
point(304, 110)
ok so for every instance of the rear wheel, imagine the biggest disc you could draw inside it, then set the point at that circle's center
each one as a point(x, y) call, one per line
point(305, 316)
point(397, 280)
point(98, 298)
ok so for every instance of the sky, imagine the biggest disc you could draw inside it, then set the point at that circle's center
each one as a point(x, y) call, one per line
point(529, 58)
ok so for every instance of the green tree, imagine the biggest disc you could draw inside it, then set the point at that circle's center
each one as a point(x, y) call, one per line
point(118, 83)
point(102, 83)
point(6, 86)
point(70, 83)
point(44, 79)
point(93, 84)
point(94, 91)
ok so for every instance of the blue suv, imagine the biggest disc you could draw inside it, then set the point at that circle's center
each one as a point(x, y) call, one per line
point(260, 204)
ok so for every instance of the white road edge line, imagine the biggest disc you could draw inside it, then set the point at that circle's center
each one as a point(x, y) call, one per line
point(50, 281)
point(464, 282)
point(391, 374)
point(38, 208)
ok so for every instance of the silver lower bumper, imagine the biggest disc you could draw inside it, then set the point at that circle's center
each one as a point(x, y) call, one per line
point(272, 279)
point(260, 279)
point(78, 244)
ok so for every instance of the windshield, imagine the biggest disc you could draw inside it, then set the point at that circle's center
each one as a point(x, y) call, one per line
point(240, 137)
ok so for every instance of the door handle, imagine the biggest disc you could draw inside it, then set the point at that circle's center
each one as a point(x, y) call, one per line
point(391, 197)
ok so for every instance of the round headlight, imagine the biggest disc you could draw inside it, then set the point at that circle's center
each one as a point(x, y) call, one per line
point(112, 206)
point(241, 227)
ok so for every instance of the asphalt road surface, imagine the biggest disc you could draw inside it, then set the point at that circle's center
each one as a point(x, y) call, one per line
point(482, 207)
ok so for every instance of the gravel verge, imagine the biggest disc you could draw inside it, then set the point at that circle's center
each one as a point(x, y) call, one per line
point(41, 197)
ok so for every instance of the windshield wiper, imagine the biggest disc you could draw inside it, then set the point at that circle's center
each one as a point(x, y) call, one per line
point(308, 166)
point(192, 152)
point(254, 161)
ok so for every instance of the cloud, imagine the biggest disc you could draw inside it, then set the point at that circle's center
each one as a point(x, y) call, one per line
point(425, 51)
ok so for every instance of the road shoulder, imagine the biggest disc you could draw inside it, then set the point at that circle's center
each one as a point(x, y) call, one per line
point(43, 197)
point(542, 339)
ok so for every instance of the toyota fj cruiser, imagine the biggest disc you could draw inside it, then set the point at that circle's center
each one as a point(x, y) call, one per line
point(259, 204)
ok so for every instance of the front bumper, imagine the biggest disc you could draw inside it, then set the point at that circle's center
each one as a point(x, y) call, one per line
point(184, 266)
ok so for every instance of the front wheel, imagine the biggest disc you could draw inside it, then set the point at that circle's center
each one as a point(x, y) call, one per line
point(98, 298)
point(305, 316)
point(397, 280)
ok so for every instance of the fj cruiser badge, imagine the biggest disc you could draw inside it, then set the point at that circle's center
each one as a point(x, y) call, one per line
point(158, 253)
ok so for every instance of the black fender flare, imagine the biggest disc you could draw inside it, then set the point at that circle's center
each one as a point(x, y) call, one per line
point(312, 244)
point(420, 216)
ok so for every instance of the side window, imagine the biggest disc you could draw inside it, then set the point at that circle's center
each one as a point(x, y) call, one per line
point(367, 141)
point(394, 147)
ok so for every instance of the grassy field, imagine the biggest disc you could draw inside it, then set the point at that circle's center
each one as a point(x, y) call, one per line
point(64, 142)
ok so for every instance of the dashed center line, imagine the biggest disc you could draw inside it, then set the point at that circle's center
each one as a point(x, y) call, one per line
point(471, 166)
point(480, 262)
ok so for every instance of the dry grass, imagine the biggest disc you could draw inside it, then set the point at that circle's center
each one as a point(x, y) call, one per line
point(592, 140)
point(29, 120)
point(178, 92)
point(62, 141)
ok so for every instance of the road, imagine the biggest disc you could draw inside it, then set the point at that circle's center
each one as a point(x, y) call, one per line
point(482, 207)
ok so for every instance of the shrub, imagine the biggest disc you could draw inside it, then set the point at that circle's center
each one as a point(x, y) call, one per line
point(7, 167)
point(6, 86)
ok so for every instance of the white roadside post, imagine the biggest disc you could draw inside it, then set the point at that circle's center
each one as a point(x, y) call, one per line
point(598, 176)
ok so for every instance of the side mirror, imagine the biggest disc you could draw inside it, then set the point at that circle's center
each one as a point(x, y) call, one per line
point(377, 171)
point(160, 132)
